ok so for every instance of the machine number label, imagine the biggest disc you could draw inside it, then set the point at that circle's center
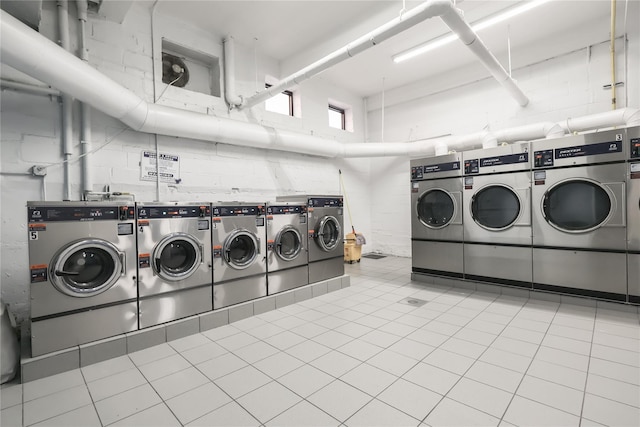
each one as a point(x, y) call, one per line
point(38, 273)
point(588, 150)
point(33, 235)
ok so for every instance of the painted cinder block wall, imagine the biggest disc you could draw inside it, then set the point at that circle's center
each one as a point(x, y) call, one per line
point(210, 172)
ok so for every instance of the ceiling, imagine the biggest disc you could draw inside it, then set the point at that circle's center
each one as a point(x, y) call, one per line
point(299, 32)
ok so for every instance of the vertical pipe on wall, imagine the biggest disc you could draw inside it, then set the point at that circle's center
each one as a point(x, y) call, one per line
point(85, 109)
point(613, 54)
point(67, 100)
point(155, 95)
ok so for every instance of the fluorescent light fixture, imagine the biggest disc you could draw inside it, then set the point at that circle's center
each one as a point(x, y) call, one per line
point(480, 25)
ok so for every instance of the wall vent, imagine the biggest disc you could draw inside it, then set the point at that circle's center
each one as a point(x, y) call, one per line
point(201, 71)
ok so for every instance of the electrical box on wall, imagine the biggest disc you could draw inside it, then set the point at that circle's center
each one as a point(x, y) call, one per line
point(190, 69)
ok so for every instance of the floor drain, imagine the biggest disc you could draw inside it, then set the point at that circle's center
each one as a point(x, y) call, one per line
point(413, 301)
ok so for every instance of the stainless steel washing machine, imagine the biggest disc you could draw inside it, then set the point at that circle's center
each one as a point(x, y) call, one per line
point(287, 259)
point(497, 215)
point(579, 215)
point(436, 216)
point(82, 271)
point(239, 253)
point(174, 261)
point(325, 238)
point(633, 215)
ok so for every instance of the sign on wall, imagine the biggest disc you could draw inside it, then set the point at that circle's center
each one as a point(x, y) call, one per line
point(169, 167)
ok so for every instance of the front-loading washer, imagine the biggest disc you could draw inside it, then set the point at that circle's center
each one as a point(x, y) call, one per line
point(579, 215)
point(239, 252)
point(325, 240)
point(436, 216)
point(287, 262)
point(82, 273)
point(174, 261)
point(497, 215)
point(633, 215)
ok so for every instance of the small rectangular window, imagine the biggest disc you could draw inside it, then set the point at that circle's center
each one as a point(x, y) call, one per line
point(336, 117)
point(281, 103)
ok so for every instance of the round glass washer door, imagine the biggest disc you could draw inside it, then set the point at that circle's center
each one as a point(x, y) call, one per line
point(177, 256)
point(576, 205)
point(436, 208)
point(495, 207)
point(328, 233)
point(240, 249)
point(288, 243)
point(86, 268)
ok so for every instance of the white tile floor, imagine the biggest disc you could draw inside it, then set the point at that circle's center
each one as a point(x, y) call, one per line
point(360, 357)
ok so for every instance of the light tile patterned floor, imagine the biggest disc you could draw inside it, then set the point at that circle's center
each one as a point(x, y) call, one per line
point(362, 357)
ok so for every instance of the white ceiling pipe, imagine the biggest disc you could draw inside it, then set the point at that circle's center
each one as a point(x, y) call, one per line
point(441, 148)
point(445, 9)
point(621, 117)
point(35, 55)
point(489, 140)
point(230, 95)
point(453, 18)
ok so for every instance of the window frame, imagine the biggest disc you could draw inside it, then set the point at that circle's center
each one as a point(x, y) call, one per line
point(343, 114)
point(289, 94)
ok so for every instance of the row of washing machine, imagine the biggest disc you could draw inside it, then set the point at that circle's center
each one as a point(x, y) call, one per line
point(99, 269)
point(559, 215)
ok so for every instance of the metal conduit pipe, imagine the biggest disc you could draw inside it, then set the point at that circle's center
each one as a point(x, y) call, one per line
point(28, 51)
point(85, 109)
point(67, 101)
point(28, 88)
point(445, 9)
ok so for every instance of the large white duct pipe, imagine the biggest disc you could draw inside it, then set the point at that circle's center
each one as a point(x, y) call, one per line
point(623, 116)
point(35, 55)
point(445, 9)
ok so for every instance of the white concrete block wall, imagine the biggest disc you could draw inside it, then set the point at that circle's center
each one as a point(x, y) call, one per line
point(209, 171)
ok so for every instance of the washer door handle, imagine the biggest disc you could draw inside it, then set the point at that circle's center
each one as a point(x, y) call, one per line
point(61, 273)
point(158, 263)
point(123, 263)
point(201, 253)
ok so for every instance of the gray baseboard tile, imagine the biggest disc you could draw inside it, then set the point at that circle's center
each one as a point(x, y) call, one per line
point(516, 292)
point(345, 281)
point(546, 296)
point(99, 351)
point(182, 328)
point(50, 364)
point(616, 306)
point(145, 338)
point(303, 294)
point(240, 311)
point(284, 299)
point(334, 285)
point(264, 305)
point(213, 319)
point(321, 288)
